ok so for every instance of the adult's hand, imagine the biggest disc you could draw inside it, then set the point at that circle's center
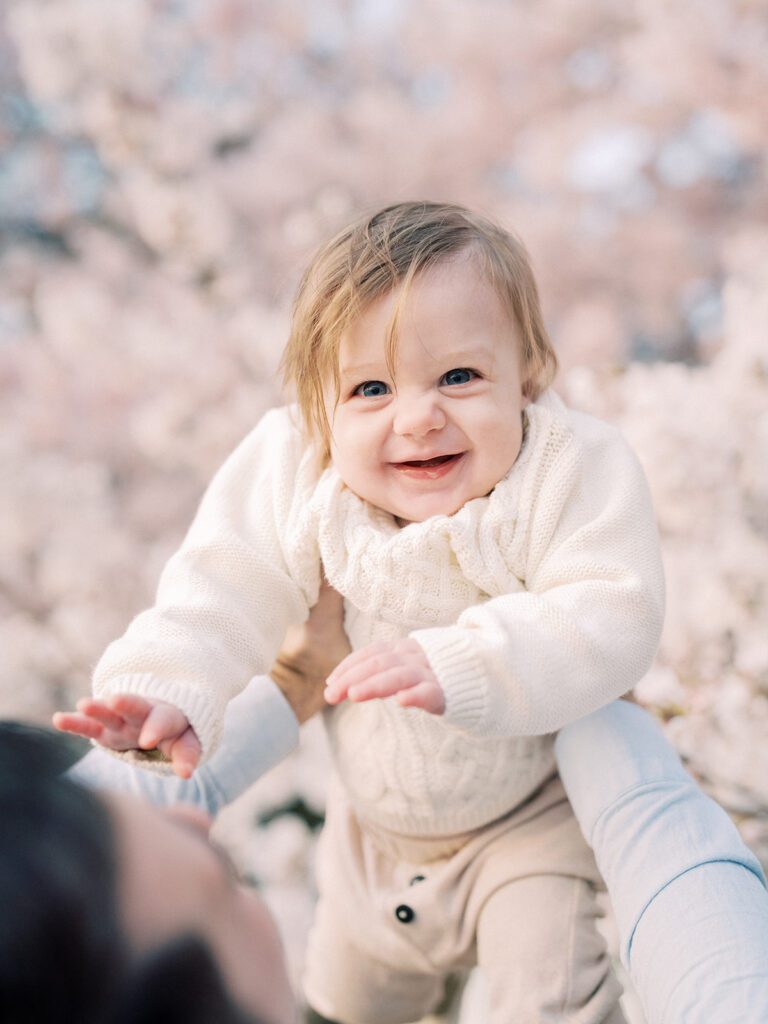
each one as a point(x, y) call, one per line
point(310, 653)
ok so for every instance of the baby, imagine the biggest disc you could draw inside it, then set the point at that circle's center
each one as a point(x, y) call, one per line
point(500, 567)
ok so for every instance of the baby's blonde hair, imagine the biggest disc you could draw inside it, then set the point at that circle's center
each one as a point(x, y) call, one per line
point(373, 255)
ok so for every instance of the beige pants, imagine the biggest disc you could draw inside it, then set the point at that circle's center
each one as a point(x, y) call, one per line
point(396, 915)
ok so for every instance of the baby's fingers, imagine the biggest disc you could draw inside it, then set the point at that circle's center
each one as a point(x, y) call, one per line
point(356, 668)
point(101, 712)
point(134, 709)
point(164, 722)
point(184, 753)
point(77, 724)
point(428, 696)
point(385, 683)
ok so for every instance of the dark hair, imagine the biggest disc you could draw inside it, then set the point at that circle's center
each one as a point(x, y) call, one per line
point(63, 955)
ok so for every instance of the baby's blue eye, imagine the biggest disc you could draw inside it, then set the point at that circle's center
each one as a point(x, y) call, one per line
point(458, 376)
point(372, 389)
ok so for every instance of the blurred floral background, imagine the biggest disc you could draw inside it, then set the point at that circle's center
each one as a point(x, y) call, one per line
point(167, 167)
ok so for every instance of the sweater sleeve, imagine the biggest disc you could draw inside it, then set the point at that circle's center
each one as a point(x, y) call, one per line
point(225, 599)
point(585, 628)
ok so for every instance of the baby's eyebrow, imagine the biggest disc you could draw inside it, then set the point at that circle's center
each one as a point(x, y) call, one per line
point(468, 356)
point(365, 371)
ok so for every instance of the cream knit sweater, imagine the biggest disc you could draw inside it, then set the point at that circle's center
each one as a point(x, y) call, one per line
point(535, 605)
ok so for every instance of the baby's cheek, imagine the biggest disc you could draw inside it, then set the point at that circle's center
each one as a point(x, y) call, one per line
point(359, 469)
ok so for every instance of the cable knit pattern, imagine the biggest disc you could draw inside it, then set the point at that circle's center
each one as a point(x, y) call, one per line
point(535, 605)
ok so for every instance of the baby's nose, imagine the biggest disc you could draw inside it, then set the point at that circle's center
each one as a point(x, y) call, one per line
point(417, 417)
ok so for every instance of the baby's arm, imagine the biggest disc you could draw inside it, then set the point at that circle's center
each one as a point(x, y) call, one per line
point(582, 632)
point(225, 599)
point(587, 625)
point(261, 724)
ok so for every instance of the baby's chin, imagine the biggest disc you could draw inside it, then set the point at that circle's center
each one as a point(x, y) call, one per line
point(404, 516)
point(406, 508)
point(431, 510)
point(420, 508)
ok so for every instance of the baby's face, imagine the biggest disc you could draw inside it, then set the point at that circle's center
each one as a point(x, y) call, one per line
point(448, 425)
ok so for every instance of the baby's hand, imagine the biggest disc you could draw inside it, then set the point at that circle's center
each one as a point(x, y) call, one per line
point(382, 669)
point(129, 722)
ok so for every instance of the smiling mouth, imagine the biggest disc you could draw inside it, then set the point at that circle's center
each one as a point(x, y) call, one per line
point(439, 460)
point(429, 469)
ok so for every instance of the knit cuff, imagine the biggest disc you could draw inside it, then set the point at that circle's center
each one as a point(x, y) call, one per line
point(204, 713)
point(460, 672)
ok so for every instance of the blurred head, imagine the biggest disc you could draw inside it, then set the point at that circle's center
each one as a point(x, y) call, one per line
point(384, 255)
point(115, 913)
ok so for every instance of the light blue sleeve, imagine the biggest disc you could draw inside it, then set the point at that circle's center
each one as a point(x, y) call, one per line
point(260, 729)
point(688, 895)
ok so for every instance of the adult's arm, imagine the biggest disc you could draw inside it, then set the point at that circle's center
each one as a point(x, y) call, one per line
point(688, 895)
